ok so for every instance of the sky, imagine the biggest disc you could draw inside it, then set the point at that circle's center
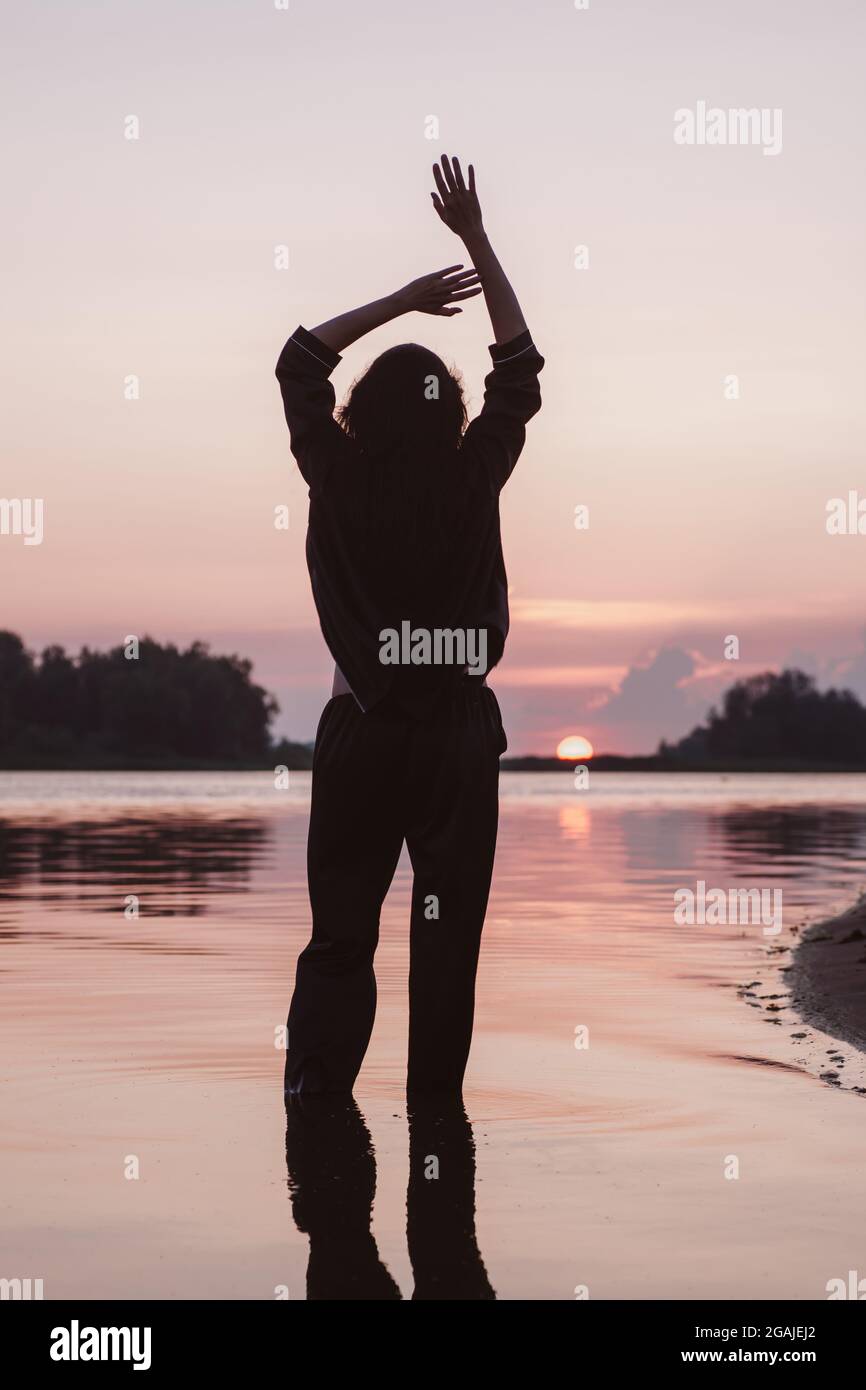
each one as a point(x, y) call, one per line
point(703, 390)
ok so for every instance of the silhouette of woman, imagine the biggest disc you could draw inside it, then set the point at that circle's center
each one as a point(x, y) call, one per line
point(405, 560)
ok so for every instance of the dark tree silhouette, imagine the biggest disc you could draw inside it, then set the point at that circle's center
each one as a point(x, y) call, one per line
point(780, 717)
point(166, 707)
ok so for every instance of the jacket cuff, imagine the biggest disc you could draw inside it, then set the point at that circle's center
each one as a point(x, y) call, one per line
point(316, 354)
point(503, 352)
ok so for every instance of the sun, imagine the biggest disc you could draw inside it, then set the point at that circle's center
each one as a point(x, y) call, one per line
point(575, 746)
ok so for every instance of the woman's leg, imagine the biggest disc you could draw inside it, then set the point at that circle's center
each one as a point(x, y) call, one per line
point(354, 844)
point(454, 800)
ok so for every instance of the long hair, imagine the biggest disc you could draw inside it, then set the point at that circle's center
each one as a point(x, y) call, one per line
point(407, 416)
point(407, 404)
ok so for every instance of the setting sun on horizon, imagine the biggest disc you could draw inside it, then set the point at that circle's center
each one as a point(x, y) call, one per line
point(575, 746)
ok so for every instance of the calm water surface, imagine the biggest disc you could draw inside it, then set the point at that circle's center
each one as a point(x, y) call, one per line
point(151, 1043)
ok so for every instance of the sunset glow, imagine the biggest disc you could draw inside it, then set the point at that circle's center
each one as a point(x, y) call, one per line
point(575, 746)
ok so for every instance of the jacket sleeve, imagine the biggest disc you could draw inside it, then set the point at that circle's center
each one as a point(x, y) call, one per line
point(495, 438)
point(303, 371)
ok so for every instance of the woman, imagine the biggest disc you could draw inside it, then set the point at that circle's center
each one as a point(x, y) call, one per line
point(403, 542)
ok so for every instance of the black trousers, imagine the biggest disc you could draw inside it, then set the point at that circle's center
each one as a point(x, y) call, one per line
point(378, 779)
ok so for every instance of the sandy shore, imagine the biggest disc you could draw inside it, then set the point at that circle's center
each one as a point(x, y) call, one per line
point(828, 976)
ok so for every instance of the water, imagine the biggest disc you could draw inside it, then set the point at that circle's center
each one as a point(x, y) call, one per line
point(150, 1045)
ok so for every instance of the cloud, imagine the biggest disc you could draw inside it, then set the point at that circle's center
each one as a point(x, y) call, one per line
point(654, 699)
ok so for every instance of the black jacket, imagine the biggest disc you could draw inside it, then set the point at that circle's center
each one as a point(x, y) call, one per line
point(446, 568)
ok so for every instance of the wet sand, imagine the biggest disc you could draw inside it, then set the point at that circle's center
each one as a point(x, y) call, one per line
point(828, 976)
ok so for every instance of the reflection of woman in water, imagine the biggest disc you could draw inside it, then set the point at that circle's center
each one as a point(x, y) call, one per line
point(404, 537)
point(332, 1180)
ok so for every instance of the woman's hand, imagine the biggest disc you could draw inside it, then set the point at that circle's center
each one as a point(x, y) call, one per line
point(431, 294)
point(456, 204)
point(438, 293)
point(459, 209)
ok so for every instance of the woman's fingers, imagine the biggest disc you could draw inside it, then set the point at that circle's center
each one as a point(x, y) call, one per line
point(448, 280)
point(440, 183)
point(441, 302)
point(442, 279)
point(450, 181)
point(464, 294)
point(461, 282)
point(440, 291)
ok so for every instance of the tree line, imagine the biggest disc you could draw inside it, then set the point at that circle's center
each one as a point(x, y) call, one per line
point(778, 717)
point(155, 705)
point(168, 707)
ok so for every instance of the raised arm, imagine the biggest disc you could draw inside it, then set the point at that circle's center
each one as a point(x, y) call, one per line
point(495, 438)
point(308, 358)
point(438, 293)
point(460, 210)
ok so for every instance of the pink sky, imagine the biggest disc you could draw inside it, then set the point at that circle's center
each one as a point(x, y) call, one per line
point(307, 128)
